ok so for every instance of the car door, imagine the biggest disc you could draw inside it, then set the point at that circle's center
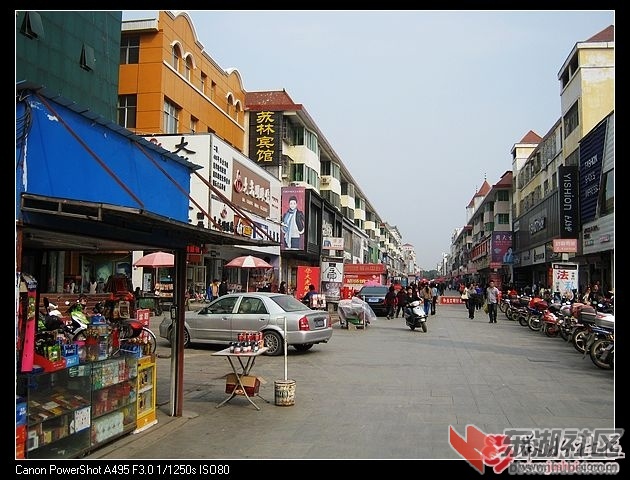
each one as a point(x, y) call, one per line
point(251, 315)
point(213, 322)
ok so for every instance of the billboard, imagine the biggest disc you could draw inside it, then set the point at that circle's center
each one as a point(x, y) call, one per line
point(293, 218)
point(565, 279)
point(502, 248)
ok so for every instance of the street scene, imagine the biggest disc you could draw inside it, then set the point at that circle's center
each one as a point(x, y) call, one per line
point(316, 235)
point(385, 392)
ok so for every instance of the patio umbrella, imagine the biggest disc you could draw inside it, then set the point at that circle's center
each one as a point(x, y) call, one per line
point(156, 260)
point(248, 262)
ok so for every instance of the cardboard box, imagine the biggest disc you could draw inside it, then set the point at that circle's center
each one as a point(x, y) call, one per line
point(250, 382)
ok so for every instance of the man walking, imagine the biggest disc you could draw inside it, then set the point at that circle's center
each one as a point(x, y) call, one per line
point(492, 297)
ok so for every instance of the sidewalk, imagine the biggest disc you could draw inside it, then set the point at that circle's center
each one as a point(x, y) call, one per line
point(380, 393)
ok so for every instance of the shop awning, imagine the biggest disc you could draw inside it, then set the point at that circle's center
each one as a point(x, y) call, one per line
point(61, 224)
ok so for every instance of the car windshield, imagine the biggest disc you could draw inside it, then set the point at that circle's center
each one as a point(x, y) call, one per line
point(373, 291)
point(289, 303)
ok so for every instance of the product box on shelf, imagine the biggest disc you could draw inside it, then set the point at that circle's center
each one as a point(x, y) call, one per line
point(131, 350)
point(20, 441)
point(71, 360)
point(20, 413)
point(47, 365)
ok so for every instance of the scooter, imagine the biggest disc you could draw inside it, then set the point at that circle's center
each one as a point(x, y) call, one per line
point(77, 326)
point(74, 328)
point(415, 316)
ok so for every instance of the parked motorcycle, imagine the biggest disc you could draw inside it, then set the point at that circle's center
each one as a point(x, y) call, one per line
point(78, 323)
point(73, 328)
point(415, 316)
point(600, 344)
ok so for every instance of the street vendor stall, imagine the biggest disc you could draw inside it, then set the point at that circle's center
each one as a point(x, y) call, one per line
point(356, 312)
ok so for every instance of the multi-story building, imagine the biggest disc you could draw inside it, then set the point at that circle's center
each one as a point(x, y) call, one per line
point(548, 223)
point(169, 85)
point(546, 209)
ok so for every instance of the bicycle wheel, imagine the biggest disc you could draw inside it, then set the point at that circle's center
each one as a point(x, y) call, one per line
point(150, 338)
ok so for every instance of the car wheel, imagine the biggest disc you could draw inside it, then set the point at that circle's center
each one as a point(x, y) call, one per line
point(186, 338)
point(274, 343)
point(303, 347)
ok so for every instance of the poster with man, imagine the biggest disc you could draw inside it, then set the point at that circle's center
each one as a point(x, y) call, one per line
point(293, 218)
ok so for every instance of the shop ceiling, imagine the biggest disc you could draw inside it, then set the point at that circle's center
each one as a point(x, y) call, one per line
point(51, 223)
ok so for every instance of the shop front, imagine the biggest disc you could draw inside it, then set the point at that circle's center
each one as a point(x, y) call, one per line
point(70, 235)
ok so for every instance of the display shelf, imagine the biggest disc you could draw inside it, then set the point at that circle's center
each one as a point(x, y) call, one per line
point(145, 405)
point(72, 411)
point(113, 399)
point(58, 412)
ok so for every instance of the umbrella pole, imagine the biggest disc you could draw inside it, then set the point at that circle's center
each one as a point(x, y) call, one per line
point(285, 348)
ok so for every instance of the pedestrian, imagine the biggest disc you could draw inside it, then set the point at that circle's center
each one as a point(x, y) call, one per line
point(471, 292)
point(401, 299)
point(464, 296)
point(223, 286)
point(434, 297)
point(391, 302)
point(282, 288)
point(308, 295)
point(479, 297)
point(426, 296)
point(492, 298)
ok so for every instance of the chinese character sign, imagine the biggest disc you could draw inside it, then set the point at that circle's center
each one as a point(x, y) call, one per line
point(565, 278)
point(502, 247)
point(306, 275)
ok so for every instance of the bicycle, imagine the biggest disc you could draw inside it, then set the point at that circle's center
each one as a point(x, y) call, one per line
point(132, 333)
point(129, 332)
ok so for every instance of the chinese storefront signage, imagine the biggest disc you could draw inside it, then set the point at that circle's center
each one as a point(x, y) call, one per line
point(264, 138)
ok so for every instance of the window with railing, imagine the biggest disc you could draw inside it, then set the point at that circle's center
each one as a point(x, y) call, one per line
point(503, 218)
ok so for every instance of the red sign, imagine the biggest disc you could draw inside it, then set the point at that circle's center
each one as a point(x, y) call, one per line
point(565, 245)
point(306, 275)
point(143, 315)
point(358, 268)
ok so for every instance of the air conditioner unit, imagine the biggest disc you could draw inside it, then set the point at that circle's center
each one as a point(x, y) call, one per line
point(325, 179)
point(285, 176)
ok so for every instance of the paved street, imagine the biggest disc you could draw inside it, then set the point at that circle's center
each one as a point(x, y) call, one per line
point(382, 393)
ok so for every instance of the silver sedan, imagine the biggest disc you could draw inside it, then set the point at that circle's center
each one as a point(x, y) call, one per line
point(220, 321)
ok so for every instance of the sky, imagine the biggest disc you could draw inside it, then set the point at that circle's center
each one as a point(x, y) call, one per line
point(420, 106)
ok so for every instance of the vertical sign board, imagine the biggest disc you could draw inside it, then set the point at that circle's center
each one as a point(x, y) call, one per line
point(590, 171)
point(568, 201)
point(265, 140)
point(332, 278)
point(306, 275)
point(565, 278)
